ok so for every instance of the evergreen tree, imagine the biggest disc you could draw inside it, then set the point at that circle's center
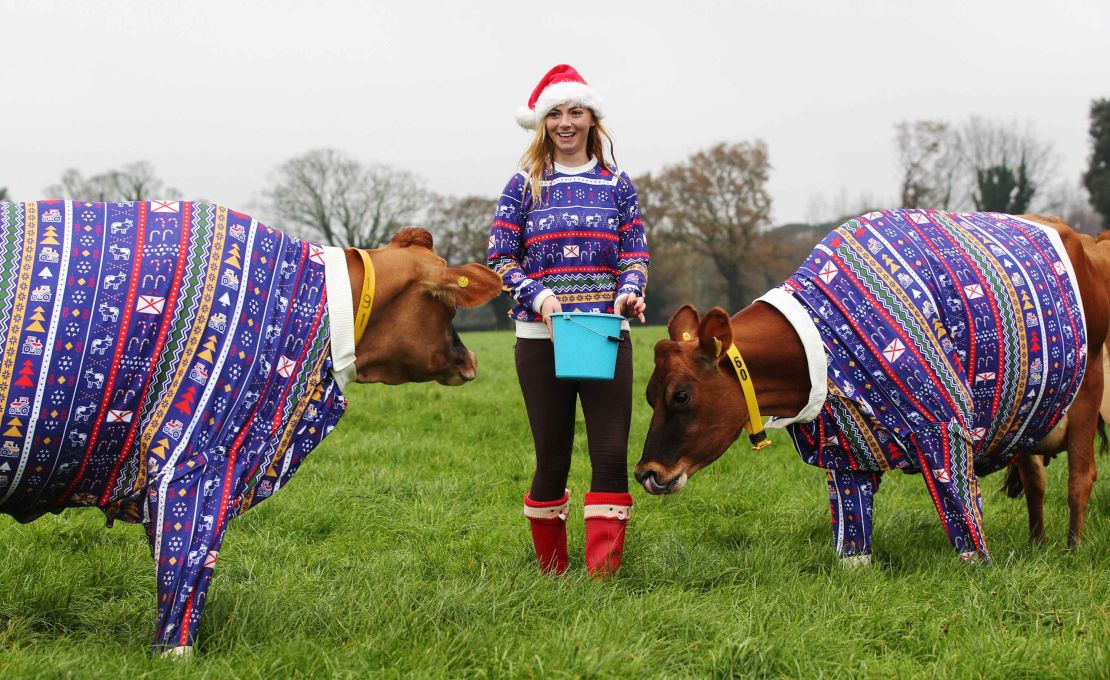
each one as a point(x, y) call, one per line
point(1000, 189)
point(1097, 177)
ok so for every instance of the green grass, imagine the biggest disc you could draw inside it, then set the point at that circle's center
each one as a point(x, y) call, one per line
point(400, 549)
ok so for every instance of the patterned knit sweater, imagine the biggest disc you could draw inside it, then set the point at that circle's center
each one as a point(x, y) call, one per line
point(585, 244)
point(945, 343)
point(169, 362)
point(925, 318)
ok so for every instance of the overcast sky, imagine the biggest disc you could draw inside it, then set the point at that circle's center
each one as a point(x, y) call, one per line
point(217, 94)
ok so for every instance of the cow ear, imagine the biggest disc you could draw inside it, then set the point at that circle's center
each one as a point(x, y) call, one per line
point(470, 285)
point(683, 325)
point(715, 333)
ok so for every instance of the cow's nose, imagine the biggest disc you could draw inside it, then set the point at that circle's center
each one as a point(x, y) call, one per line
point(467, 365)
point(462, 368)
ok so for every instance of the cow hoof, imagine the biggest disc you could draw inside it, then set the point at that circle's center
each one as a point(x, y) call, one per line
point(179, 652)
point(856, 561)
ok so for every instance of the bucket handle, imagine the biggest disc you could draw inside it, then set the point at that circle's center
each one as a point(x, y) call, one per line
point(613, 338)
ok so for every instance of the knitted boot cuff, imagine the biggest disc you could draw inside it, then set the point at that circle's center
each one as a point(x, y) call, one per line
point(556, 509)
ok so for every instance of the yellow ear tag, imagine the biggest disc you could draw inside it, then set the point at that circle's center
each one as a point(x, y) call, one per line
point(717, 344)
point(686, 337)
point(463, 282)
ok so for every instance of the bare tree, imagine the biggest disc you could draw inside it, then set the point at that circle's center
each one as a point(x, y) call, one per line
point(460, 226)
point(842, 207)
point(461, 229)
point(133, 182)
point(716, 203)
point(326, 194)
point(929, 161)
point(1008, 164)
point(1074, 206)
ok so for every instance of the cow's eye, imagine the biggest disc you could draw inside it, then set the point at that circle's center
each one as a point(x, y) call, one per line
point(681, 398)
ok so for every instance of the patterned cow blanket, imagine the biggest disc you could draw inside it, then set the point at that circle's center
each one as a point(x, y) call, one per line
point(938, 342)
point(166, 361)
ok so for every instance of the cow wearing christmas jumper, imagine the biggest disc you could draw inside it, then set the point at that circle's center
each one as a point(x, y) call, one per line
point(945, 344)
point(172, 363)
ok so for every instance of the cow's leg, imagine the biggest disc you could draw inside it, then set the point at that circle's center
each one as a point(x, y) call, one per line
point(945, 457)
point(1030, 469)
point(1082, 423)
point(185, 532)
point(851, 500)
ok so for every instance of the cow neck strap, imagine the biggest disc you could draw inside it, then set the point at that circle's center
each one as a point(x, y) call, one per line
point(756, 434)
point(366, 299)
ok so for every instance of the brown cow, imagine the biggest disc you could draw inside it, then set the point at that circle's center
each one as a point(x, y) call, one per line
point(177, 361)
point(700, 407)
point(1027, 473)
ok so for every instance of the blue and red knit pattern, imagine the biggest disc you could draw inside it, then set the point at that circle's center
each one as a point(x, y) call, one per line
point(165, 361)
point(585, 243)
point(954, 342)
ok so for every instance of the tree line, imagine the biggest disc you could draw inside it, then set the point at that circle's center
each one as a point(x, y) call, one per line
point(708, 216)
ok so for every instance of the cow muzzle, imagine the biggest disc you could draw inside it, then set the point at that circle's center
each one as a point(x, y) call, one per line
point(653, 485)
point(464, 369)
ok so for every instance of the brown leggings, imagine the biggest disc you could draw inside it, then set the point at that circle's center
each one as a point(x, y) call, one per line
point(606, 406)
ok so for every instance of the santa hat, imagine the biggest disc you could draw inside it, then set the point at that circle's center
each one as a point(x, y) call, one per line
point(561, 85)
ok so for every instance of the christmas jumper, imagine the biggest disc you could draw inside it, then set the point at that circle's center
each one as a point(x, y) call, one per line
point(942, 343)
point(169, 362)
point(585, 244)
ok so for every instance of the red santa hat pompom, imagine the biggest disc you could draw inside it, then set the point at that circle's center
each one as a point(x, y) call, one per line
point(561, 85)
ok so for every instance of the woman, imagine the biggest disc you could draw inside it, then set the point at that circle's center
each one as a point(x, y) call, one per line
point(567, 236)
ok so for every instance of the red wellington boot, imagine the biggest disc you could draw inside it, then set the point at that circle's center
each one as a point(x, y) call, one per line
point(606, 517)
point(549, 531)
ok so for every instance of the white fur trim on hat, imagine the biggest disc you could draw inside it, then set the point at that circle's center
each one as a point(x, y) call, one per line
point(557, 94)
point(526, 118)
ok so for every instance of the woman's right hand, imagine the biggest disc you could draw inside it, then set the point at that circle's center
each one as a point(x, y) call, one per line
point(548, 307)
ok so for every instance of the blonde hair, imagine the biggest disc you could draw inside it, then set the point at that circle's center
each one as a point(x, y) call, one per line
point(539, 158)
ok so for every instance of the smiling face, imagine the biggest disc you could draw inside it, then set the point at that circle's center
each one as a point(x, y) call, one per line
point(568, 128)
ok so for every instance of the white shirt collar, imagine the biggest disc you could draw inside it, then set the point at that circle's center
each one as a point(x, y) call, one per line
point(341, 315)
point(814, 348)
point(589, 165)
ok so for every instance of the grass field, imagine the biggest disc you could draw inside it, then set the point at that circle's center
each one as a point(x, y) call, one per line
point(400, 550)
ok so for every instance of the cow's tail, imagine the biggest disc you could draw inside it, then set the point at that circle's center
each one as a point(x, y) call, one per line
point(1011, 483)
point(1103, 441)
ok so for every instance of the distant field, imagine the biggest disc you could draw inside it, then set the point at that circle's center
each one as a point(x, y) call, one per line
point(400, 550)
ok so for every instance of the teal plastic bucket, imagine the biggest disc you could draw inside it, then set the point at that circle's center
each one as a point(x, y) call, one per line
point(585, 344)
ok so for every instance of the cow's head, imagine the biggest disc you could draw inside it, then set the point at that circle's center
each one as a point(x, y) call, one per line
point(409, 337)
point(699, 408)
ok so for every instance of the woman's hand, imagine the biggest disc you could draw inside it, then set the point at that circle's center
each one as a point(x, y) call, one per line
point(548, 307)
point(632, 306)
